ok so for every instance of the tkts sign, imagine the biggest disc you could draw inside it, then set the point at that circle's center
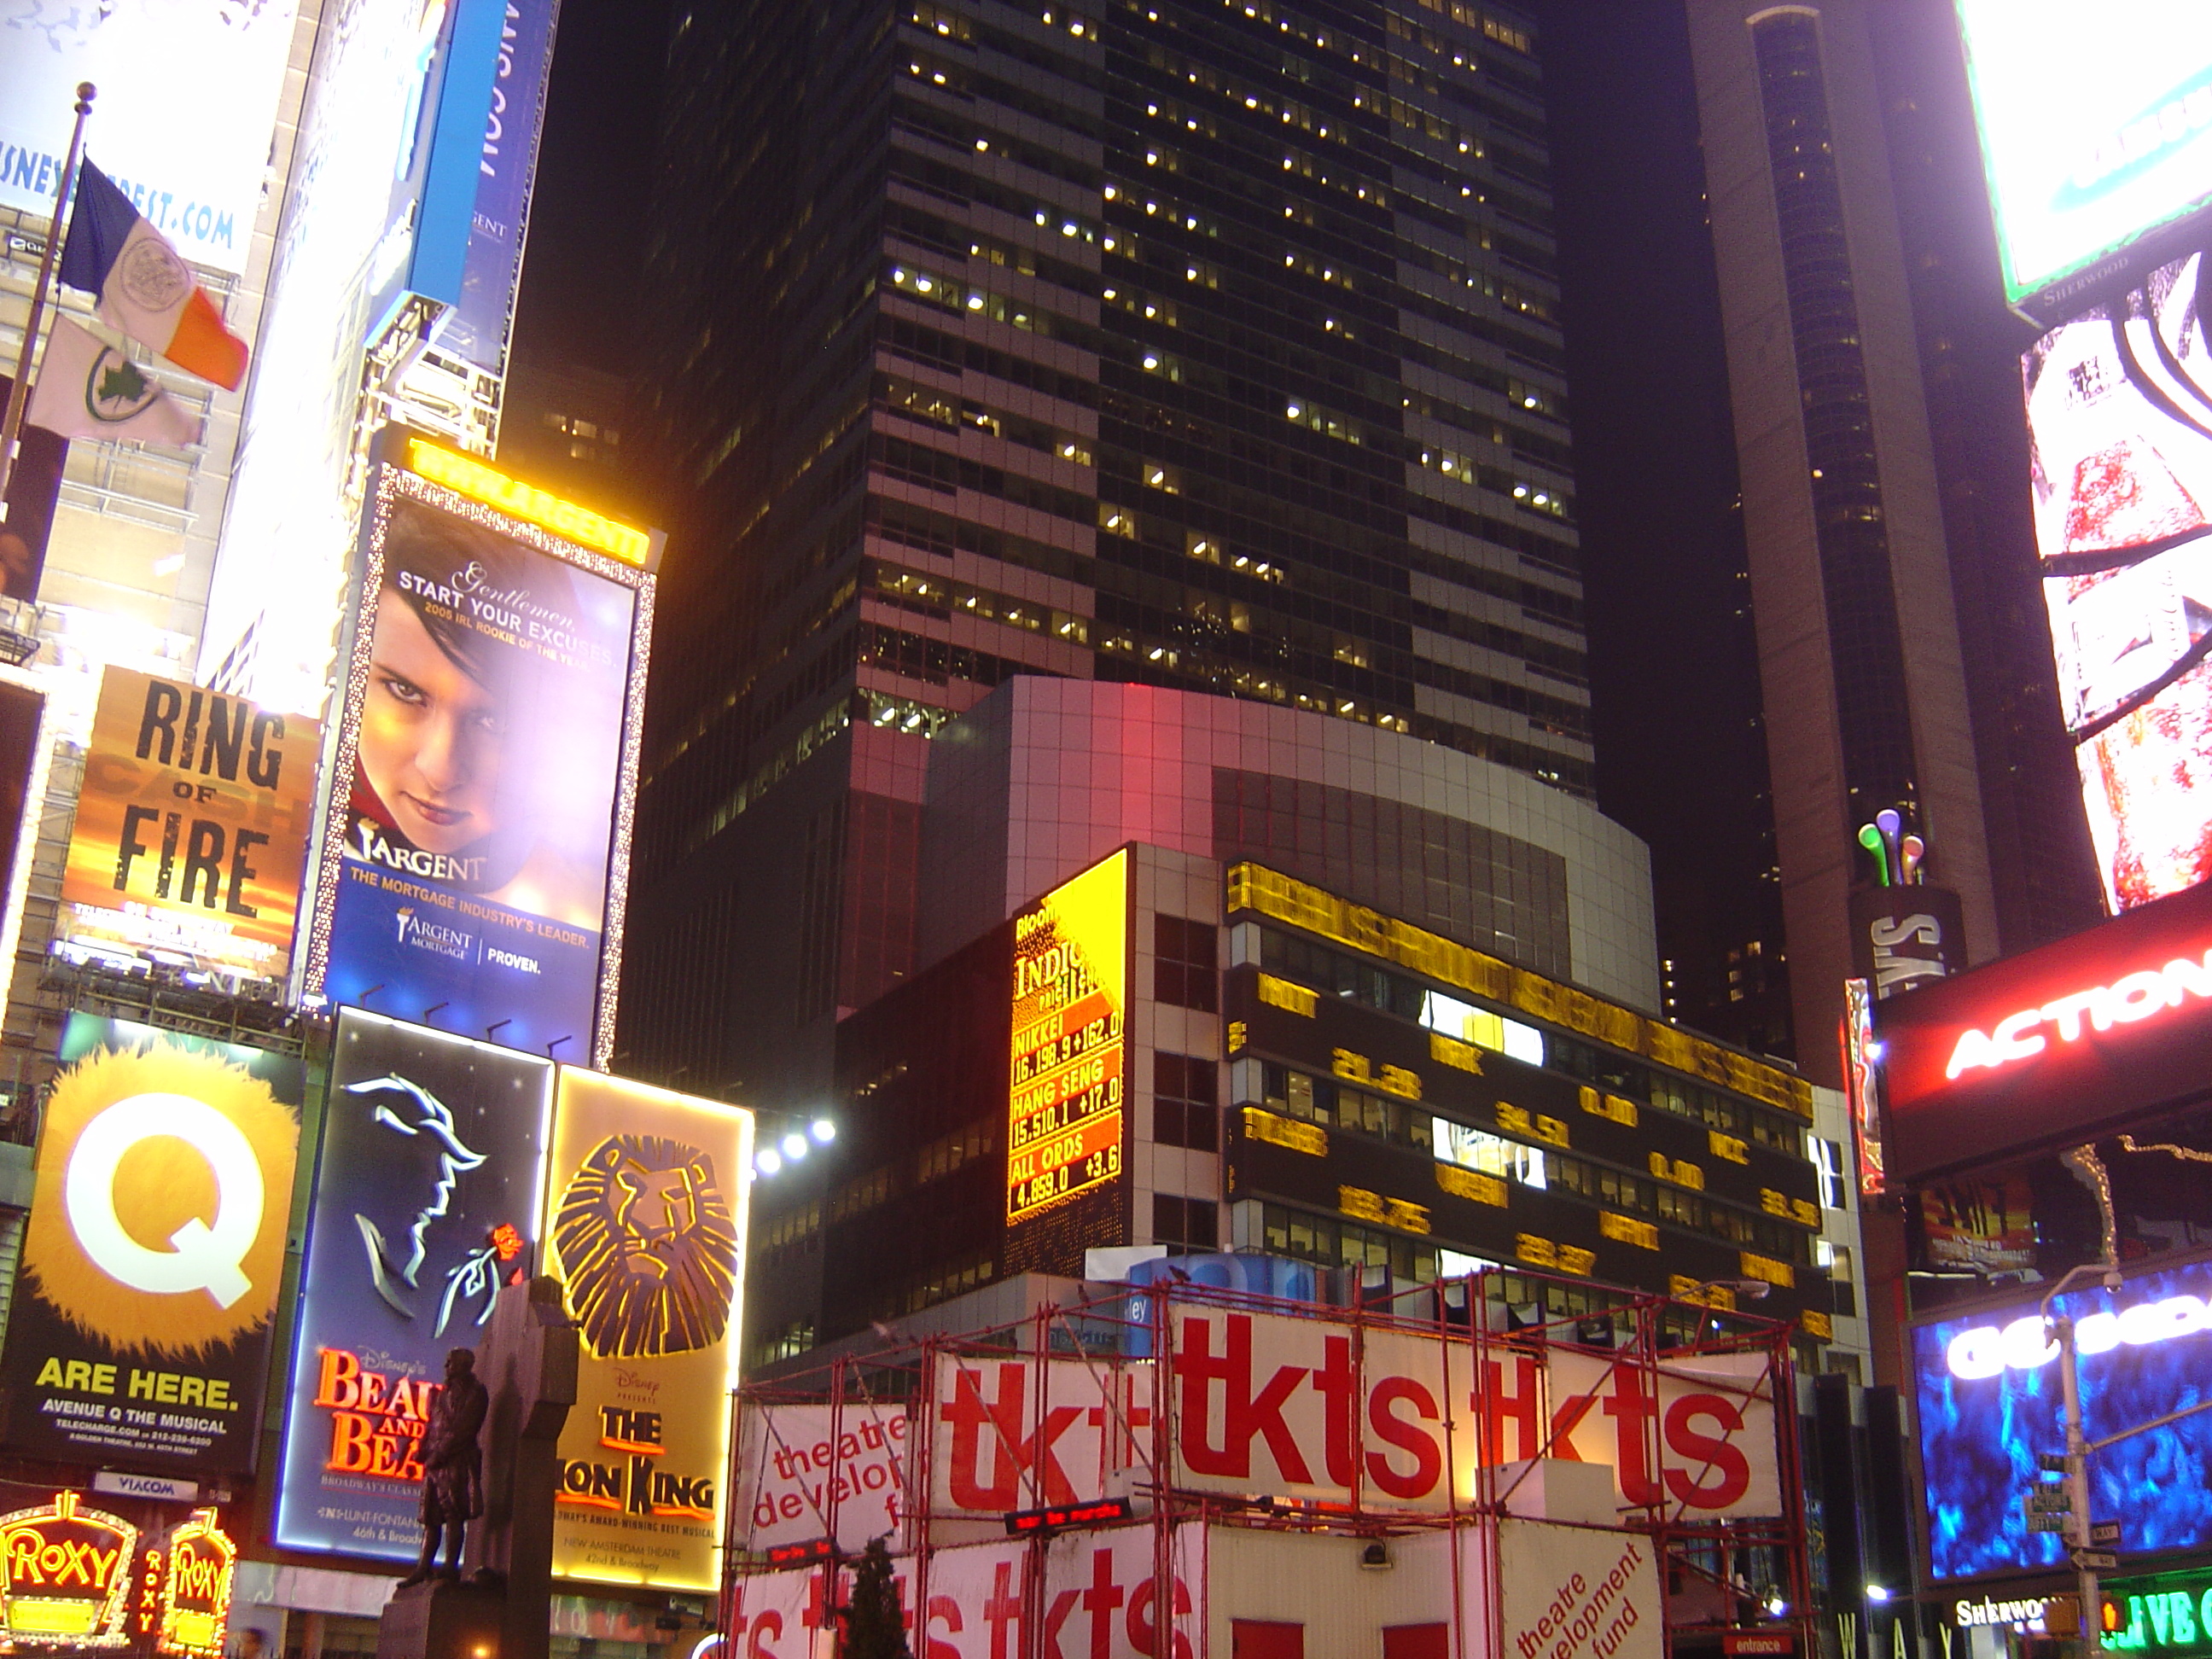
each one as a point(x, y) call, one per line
point(1092, 1595)
point(999, 1447)
point(1307, 1408)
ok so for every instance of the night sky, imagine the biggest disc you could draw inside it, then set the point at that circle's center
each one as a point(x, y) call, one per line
point(581, 269)
point(1673, 677)
point(1673, 671)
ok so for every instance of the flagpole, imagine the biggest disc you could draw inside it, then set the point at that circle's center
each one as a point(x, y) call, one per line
point(19, 393)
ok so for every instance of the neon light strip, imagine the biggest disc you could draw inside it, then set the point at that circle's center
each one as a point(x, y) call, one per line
point(473, 479)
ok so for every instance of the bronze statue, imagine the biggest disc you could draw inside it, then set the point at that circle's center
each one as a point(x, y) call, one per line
point(452, 1466)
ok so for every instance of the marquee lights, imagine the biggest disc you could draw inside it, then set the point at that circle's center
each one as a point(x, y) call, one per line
point(1987, 1350)
point(470, 477)
point(2126, 1000)
point(65, 1574)
point(196, 1590)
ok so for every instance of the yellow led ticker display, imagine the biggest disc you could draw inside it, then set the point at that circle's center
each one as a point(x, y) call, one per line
point(466, 476)
point(1070, 1001)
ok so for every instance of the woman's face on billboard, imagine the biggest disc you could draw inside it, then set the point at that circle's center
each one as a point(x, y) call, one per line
point(431, 737)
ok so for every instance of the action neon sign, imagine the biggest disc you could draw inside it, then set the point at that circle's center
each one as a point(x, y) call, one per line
point(2127, 1001)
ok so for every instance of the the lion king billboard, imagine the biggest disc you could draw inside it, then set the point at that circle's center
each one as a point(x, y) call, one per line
point(645, 1227)
point(141, 1326)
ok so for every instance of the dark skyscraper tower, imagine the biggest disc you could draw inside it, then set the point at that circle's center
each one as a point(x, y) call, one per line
point(1206, 345)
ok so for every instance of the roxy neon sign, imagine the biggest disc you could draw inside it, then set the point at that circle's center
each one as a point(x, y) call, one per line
point(2131, 998)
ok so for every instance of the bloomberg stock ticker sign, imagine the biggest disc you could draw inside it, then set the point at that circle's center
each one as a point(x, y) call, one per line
point(430, 1186)
point(2055, 1045)
point(1989, 1397)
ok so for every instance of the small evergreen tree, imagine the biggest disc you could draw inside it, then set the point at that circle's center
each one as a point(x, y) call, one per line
point(873, 1626)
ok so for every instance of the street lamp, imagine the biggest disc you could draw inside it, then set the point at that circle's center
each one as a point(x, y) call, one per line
point(2088, 1598)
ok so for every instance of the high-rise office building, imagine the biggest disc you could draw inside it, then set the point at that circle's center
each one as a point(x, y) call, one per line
point(1210, 346)
point(1861, 665)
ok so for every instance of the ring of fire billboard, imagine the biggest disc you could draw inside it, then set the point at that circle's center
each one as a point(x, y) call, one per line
point(191, 829)
point(475, 845)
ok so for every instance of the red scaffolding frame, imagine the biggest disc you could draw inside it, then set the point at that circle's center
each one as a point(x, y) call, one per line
point(1111, 1330)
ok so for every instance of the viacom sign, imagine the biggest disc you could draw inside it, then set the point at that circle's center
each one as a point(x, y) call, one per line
point(1271, 1403)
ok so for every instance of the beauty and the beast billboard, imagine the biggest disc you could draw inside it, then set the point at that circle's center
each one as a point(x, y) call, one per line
point(141, 1326)
point(645, 1227)
point(427, 1196)
point(478, 842)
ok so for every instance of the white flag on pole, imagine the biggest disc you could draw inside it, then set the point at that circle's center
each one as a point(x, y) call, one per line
point(87, 388)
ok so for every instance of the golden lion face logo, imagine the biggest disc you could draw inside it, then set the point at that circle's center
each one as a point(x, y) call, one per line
point(649, 1247)
point(164, 1183)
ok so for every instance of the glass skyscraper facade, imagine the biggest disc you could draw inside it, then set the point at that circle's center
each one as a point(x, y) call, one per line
point(1210, 346)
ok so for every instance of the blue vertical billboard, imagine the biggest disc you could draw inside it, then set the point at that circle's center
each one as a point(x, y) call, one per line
point(476, 838)
point(476, 327)
point(427, 1196)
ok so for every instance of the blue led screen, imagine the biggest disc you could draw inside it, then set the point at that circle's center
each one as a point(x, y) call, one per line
point(1989, 1396)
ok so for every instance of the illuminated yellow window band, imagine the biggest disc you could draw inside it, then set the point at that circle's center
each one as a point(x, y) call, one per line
point(473, 479)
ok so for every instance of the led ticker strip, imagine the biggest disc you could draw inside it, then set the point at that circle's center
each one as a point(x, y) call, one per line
point(1253, 887)
point(467, 476)
point(1057, 1517)
point(1065, 1082)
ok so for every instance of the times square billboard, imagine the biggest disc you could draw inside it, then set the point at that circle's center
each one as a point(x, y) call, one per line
point(1988, 1399)
point(2119, 412)
point(192, 159)
point(476, 836)
point(2096, 130)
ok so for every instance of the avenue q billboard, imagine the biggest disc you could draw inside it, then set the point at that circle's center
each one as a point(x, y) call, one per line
point(2054, 1046)
point(476, 851)
point(141, 1328)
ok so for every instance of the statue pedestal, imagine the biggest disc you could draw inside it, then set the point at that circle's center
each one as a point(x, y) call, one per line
point(528, 1362)
point(439, 1620)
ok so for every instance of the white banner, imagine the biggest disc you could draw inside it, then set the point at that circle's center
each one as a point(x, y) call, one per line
point(781, 1615)
point(1311, 1408)
point(806, 1471)
point(1574, 1594)
point(998, 1447)
point(1703, 1447)
point(1097, 1601)
point(1101, 1595)
point(975, 1602)
point(186, 109)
